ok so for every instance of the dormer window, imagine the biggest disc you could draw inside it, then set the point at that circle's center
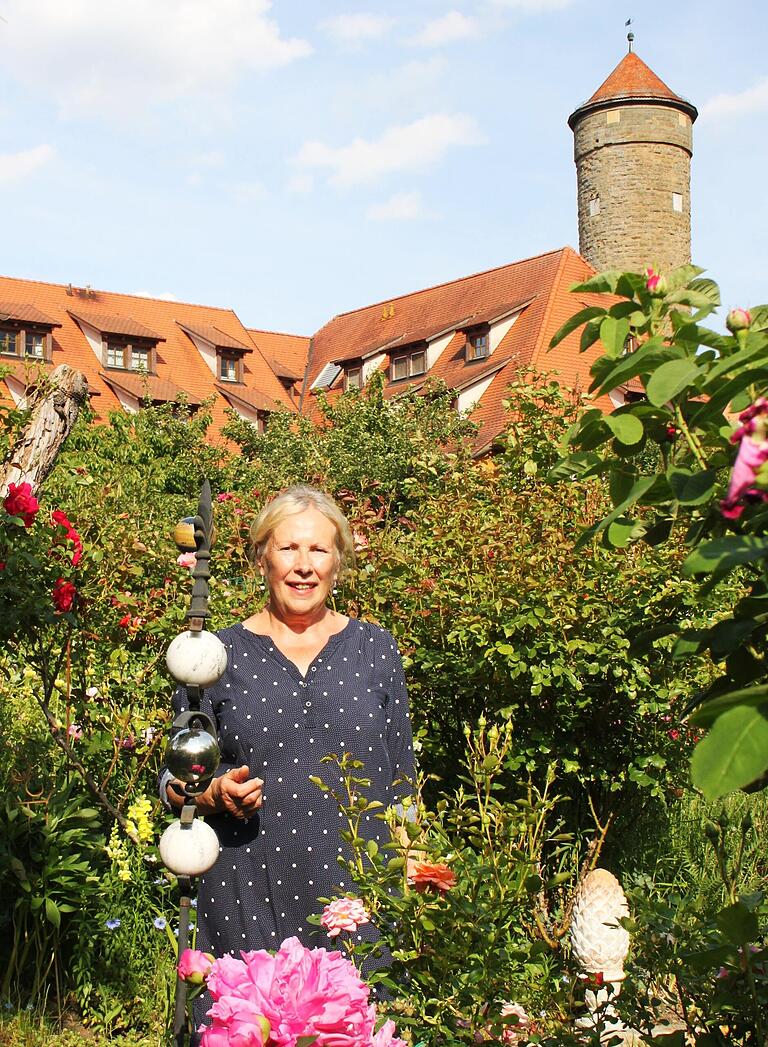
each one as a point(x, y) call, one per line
point(409, 365)
point(478, 345)
point(353, 378)
point(128, 355)
point(229, 367)
point(25, 332)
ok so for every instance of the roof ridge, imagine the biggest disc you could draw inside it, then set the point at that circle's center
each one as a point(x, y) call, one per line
point(284, 334)
point(126, 294)
point(445, 283)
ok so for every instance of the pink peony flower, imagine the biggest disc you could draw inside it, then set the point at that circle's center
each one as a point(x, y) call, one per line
point(385, 1037)
point(738, 320)
point(751, 456)
point(21, 502)
point(299, 991)
point(194, 966)
point(344, 914)
point(187, 560)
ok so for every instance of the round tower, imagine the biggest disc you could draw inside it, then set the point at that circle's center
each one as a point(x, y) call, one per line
point(633, 147)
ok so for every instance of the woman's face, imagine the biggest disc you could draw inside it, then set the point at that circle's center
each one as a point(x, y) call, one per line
point(300, 563)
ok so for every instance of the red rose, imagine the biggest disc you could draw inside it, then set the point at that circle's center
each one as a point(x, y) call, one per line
point(63, 595)
point(125, 621)
point(62, 520)
point(21, 502)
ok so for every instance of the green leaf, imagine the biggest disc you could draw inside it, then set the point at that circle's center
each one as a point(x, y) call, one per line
point(638, 490)
point(733, 754)
point(625, 427)
point(671, 379)
point(738, 923)
point(575, 322)
point(620, 533)
point(707, 713)
point(600, 283)
point(589, 335)
point(724, 553)
point(52, 913)
point(691, 488)
point(613, 334)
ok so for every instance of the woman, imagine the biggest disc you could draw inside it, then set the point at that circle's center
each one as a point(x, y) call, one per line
point(302, 681)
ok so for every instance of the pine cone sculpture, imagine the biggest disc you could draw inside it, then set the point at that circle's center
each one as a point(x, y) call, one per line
point(599, 943)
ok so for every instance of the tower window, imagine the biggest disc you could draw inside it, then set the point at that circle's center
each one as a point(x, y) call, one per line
point(677, 201)
point(594, 206)
point(613, 116)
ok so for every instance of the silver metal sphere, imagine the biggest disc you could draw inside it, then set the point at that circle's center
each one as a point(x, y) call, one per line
point(192, 755)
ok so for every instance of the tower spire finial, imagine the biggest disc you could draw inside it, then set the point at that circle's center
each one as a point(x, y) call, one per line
point(630, 35)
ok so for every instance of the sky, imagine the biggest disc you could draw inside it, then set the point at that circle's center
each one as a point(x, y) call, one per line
point(295, 159)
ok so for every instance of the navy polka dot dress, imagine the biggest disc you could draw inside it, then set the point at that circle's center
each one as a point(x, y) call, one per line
point(273, 867)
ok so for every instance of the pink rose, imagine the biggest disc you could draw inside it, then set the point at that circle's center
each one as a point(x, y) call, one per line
point(194, 966)
point(344, 914)
point(21, 502)
point(187, 560)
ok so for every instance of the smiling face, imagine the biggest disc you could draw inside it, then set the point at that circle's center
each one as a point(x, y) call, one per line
point(299, 565)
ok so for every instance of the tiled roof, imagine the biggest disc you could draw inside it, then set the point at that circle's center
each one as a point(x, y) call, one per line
point(216, 337)
point(23, 311)
point(147, 387)
point(115, 324)
point(177, 360)
point(250, 397)
point(535, 289)
point(285, 353)
point(632, 80)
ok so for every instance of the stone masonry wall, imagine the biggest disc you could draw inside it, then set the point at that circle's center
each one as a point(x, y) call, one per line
point(633, 171)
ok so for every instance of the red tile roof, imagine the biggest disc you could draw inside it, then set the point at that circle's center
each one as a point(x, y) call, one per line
point(285, 353)
point(216, 337)
point(144, 387)
point(632, 81)
point(534, 290)
point(178, 361)
point(23, 311)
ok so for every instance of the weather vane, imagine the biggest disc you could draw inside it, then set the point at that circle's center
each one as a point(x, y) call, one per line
point(630, 34)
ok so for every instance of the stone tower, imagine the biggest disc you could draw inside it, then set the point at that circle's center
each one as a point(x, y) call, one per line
point(633, 146)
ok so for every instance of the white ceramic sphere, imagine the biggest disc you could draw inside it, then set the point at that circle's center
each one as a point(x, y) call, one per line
point(196, 658)
point(190, 850)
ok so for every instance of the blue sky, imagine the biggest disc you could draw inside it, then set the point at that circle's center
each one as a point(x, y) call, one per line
point(297, 159)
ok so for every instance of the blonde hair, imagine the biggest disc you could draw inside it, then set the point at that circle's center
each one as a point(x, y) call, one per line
point(296, 500)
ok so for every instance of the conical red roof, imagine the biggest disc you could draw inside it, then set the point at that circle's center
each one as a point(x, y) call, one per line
point(633, 81)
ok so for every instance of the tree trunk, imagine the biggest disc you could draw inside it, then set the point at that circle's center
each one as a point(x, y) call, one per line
point(53, 411)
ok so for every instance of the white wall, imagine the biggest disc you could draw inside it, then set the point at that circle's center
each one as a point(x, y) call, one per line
point(436, 347)
point(468, 397)
point(372, 364)
point(499, 330)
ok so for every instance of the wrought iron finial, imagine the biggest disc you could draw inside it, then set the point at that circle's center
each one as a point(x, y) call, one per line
point(630, 35)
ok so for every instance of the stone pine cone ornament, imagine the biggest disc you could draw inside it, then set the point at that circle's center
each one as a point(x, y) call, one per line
point(600, 944)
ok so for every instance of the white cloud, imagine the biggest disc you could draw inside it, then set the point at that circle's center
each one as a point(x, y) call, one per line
point(402, 207)
point(411, 147)
point(449, 29)
point(534, 7)
point(164, 296)
point(122, 55)
point(14, 166)
point(741, 103)
point(353, 29)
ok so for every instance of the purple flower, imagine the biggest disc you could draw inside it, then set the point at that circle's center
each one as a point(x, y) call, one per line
point(752, 455)
point(112, 924)
point(160, 923)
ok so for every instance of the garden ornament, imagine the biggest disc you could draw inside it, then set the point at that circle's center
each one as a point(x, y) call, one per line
point(600, 944)
point(196, 659)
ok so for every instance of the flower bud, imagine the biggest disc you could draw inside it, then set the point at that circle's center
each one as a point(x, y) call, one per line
point(655, 283)
point(738, 320)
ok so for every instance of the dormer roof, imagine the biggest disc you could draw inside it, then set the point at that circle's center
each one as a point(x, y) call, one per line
point(115, 323)
point(23, 312)
point(632, 82)
point(218, 339)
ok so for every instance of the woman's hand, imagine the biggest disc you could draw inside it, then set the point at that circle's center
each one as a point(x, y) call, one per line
point(234, 793)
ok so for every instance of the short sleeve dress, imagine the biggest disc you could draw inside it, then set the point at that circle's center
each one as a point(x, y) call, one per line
point(273, 867)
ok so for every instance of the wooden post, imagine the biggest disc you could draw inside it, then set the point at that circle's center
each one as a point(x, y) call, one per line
point(54, 408)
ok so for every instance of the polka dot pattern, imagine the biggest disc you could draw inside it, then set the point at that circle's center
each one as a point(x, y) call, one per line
point(273, 867)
